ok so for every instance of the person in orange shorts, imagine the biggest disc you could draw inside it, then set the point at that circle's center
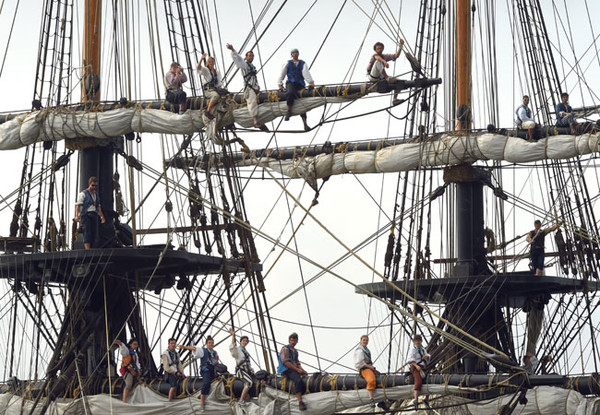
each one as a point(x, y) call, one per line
point(364, 365)
point(417, 359)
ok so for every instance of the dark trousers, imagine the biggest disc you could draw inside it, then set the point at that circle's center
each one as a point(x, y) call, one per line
point(295, 377)
point(537, 259)
point(176, 98)
point(89, 223)
point(292, 89)
point(207, 378)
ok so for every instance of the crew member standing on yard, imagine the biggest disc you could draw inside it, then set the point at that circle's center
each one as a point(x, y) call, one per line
point(251, 88)
point(364, 365)
point(524, 119)
point(209, 359)
point(564, 114)
point(243, 370)
point(211, 82)
point(130, 365)
point(173, 368)
point(88, 210)
point(174, 79)
point(297, 74)
point(290, 367)
point(417, 359)
point(536, 240)
point(379, 62)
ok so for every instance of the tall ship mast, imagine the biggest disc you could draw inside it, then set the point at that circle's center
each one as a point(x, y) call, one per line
point(401, 206)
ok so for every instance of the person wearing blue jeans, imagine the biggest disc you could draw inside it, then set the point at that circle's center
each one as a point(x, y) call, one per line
point(564, 114)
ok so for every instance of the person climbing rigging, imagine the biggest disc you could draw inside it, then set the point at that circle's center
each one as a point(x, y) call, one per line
point(564, 114)
point(171, 362)
point(211, 82)
point(243, 369)
point(251, 88)
point(417, 359)
point(209, 359)
point(290, 367)
point(174, 79)
point(298, 75)
point(536, 240)
point(130, 365)
point(364, 364)
point(378, 64)
point(88, 209)
point(524, 118)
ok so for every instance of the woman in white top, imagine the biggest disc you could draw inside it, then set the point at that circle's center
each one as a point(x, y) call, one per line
point(364, 365)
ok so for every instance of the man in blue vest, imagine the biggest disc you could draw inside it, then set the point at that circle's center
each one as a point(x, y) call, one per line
point(88, 210)
point(290, 367)
point(564, 114)
point(298, 75)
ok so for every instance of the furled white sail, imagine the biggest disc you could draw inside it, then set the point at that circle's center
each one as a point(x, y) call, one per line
point(55, 124)
point(447, 150)
point(143, 401)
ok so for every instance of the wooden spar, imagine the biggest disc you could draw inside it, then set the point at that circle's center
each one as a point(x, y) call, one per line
point(463, 59)
point(91, 50)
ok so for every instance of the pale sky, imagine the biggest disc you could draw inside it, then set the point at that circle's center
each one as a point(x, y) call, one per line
point(347, 204)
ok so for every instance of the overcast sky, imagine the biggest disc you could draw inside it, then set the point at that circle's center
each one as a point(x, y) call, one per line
point(348, 205)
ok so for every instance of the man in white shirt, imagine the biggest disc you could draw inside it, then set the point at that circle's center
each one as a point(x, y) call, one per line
point(174, 79)
point(298, 75)
point(211, 82)
point(251, 88)
point(87, 210)
point(524, 118)
point(417, 359)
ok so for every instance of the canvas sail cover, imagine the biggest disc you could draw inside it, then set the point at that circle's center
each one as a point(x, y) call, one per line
point(542, 400)
point(446, 150)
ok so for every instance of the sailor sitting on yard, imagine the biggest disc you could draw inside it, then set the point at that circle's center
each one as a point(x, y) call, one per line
point(130, 365)
point(243, 370)
point(174, 79)
point(297, 73)
point(364, 364)
point(211, 80)
point(171, 363)
point(530, 362)
point(564, 114)
point(417, 358)
point(524, 119)
point(290, 367)
point(378, 64)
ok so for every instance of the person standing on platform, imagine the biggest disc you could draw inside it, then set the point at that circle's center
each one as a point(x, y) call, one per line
point(536, 239)
point(298, 75)
point(88, 210)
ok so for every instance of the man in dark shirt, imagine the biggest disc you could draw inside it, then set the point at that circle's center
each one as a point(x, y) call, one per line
point(536, 240)
point(564, 114)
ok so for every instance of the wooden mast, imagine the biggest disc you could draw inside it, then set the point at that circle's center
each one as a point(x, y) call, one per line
point(91, 50)
point(463, 63)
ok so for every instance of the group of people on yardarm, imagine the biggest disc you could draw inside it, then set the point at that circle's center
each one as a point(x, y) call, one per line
point(289, 366)
point(295, 72)
point(564, 116)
